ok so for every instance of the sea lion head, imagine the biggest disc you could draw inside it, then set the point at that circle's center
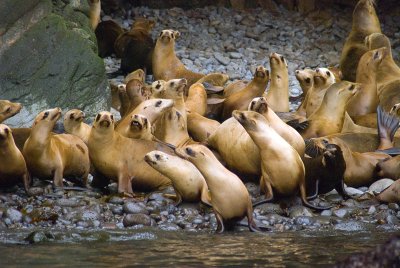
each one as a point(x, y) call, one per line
point(159, 105)
point(340, 93)
point(305, 77)
point(5, 133)
point(143, 24)
point(158, 88)
point(135, 88)
point(74, 115)
point(249, 119)
point(48, 117)
point(333, 156)
point(168, 36)
point(364, 15)
point(258, 105)
point(104, 122)
point(377, 40)
point(276, 59)
point(137, 74)
point(389, 168)
point(156, 158)
point(139, 122)
point(175, 88)
point(9, 109)
point(195, 153)
point(323, 76)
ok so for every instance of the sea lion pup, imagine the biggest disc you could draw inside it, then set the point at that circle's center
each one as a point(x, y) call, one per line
point(200, 127)
point(282, 170)
point(234, 87)
point(329, 117)
point(365, 22)
point(121, 159)
point(55, 156)
point(366, 101)
point(325, 172)
point(230, 199)
point(73, 124)
point(189, 184)
point(388, 70)
point(167, 66)
point(360, 167)
point(197, 99)
point(323, 79)
point(278, 93)
point(12, 164)
point(390, 194)
point(240, 100)
point(94, 13)
point(106, 34)
point(389, 168)
point(152, 109)
point(135, 47)
point(8, 109)
point(291, 136)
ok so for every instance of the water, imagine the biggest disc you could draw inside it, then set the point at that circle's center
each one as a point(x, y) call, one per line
point(149, 247)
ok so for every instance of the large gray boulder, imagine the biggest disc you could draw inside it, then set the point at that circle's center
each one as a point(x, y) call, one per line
point(48, 58)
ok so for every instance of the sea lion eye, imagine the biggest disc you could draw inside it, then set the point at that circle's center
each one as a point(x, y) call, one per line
point(190, 151)
point(7, 131)
point(158, 157)
point(328, 73)
point(112, 117)
point(376, 55)
point(308, 80)
point(351, 87)
point(158, 103)
point(172, 84)
point(46, 114)
point(97, 118)
point(178, 114)
point(282, 59)
point(71, 116)
point(8, 110)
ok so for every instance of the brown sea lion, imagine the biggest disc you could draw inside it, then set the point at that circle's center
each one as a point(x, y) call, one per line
point(167, 66)
point(189, 184)
point(8, 109)
point(135, 91)
point(54, 157)
point(240, 100)
point(234, 87)
point(389, 168)
point(278, 92)
point(200, 127)
point(115, 95)
point(230, 199)
point(329, 117)
point(365, 22)
point(12, 164)
point(390, 194)
point(366, 100)
point(73, 124)
point(121, 159)
point(306, 79)
point(94, 13)
point(106, 34)
point(197, 99)
point(276, 156)
point(135, 47)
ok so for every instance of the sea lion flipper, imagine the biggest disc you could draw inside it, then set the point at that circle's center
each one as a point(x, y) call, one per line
point(387, 126)
point(315, 191)
point(220, 223)
point(211, 89)
point(297, 125)
point(178, 200)
point(267, 188)
point(205, 196)
point(58, 178)
point(305, 201)
point(341, 190)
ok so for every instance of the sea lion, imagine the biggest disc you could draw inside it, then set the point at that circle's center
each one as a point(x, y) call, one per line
point(360, 167)
point(106, 34)
point(389, 168)
point(189, 184)
point(137, 74)
point(329, 117)
point(325, 172)
point(230, 199)
point(135, 91)
point(124, 101)
point(140, 128)
point(240, 100)
point(135, 47)
point(151, 109)
point(365, 22)
point(323, 79)
point(94, 13)
point(200, 127)
point(157, 89)
point(390, 194)
point(12, 164)
point(278, 93)
point(167, 66)
point(55, 156)
point(388, 70)
point(121, 159)
point(366, 101)
point(197, 99)
point(234, 87)
point(306, 79)
point(8, 109)
point(115, 95)
point(276, 156)
point(73, 124)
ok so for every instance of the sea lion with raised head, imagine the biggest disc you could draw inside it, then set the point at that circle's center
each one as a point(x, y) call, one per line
point(278, 92)
point(94, 13)
point(73, 124)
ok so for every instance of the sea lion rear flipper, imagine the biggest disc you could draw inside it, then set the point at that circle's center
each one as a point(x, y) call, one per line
point(305, 201)
point(297, 125)
point(392, 151)
point(387, 127)
point(205, 196)
point(315, 192)
point(211, 89)
point(267, 188)
point(220, 223)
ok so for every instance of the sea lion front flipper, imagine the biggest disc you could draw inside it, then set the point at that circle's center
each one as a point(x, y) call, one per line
point(124, 184)
point(252, 225)
point(211, 89)
point(392, 151)
point(265, 186)
point(297, 125)
point(178, 199)
point(220, 223)
point(315, 192)
point(205, 196)
point(58, 178)
point(387, 127)
point(305, 201)
point(341, 190)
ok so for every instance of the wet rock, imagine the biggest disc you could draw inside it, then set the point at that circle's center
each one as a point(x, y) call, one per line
point(269, 208)
point(235, 55)
point(135, 208)
point(137, 219)
point(116, 200)
point(33, 191)
point(169, 227)
point(394, 206)
point(341, 213)
point(334, 198)
point(393, 220)
point(379, 186)
point(326, 212)
point(349, 226)
point(13, 215)
point(117, 210)
point(353, 192)
point(371, 210)
point(304, 220)
point(38, 237)
point(63, 202)
point(297, 211)
point(221, 59)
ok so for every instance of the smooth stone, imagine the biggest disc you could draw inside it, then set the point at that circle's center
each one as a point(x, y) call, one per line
point(353, 191)
point(304, 220)
point(137, 219)
point(334, 198)
point(39, 236)
point(63, 202)
point(169, 227)
point(393, 220)
point(235, 55)
point(379, 186)
point(116, 200)
point(326, 212)
point(297, 211)
point(223, 60)
point(371, 210)
point(341, 213)
point(117, 210)
point(135, 208)
point(13, 215)
point(350, 226)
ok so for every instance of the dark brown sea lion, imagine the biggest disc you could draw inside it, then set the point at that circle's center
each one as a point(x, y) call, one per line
point(106, 34)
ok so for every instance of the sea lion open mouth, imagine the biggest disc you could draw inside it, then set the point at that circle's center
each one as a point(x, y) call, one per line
point(136, 124)
point(105, 123)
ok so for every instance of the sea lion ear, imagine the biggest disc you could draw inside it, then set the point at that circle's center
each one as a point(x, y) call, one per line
point(253, 122)
point(176, 34)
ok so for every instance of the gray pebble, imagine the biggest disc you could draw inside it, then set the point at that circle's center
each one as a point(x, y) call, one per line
point(137, 219)
point(13, 215)
point(135, 208)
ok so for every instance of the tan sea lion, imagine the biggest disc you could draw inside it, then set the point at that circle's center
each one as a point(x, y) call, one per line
point(135, 91)
point(197, 99)
point(189, 184)
point(49, 156)
point(329, 117)
point(390, 194)
point(389, 168)
point(230, 199)
point(234, 87)
point(106, 34)
point(115, 95)
point(8, 109)
point(20, 136)
point(137, 74)
point(365, 22)
point(282, 170)
point(240, 100)
point(278, 93)
point(157, 89)
point(200, 127)
point(12, 164)
point(306, 79)
point(366, 101)
point(135, 47)
point(167, 66)
point(140, 128)
point(73, 124)
point(94, 13)
point(121, 159)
